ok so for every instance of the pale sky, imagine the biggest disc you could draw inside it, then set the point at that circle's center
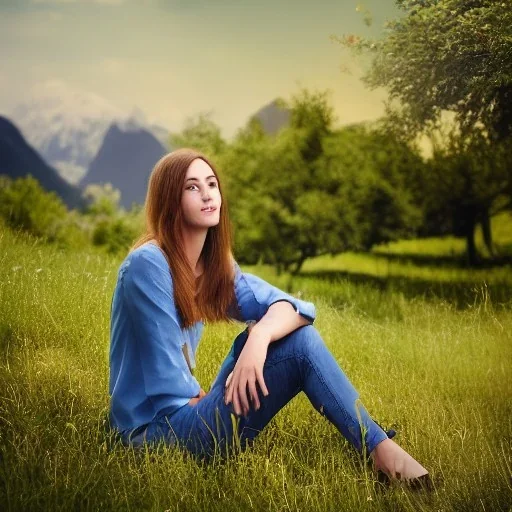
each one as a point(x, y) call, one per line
point(177, 58)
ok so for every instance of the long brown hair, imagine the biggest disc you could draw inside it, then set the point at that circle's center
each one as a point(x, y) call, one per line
point(164, 221)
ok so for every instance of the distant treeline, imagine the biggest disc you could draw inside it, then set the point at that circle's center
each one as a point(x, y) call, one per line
point(308, 190)
point(313, 189)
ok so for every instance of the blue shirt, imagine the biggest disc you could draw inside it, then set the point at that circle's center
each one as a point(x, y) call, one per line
point(148, 367)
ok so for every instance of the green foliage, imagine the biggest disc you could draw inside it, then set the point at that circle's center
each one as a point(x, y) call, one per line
point(468, 181)
point(448, 55)
point(202, 134)
point(456, 56)
point(374, 176)
point(103, 200)
point(271, 179)
point(115, 235)
point(111, 228)
point(314, 190)
point(25, 205)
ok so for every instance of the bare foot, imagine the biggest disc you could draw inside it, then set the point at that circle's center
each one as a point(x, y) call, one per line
point(395, 462)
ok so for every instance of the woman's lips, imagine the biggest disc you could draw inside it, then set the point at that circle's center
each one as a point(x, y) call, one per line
point(210, 209)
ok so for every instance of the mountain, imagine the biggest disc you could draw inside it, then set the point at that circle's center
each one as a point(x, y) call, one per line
point(273, 117)
point(125, 160)
point(67, 126)
point(18, 159)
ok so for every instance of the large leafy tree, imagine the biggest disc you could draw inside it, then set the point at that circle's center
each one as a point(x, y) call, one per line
point(467, 180)
point(456, 56)
point(280, 214)
point(313, 189)
point(376, 177)
point(453, 55)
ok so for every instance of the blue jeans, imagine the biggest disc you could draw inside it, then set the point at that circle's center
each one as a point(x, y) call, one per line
point(297, 362)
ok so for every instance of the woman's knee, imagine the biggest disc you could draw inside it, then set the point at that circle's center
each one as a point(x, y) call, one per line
point(306, 340)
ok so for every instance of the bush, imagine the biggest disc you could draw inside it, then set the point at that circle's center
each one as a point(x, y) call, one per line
point(116, 235)
point(25, 205)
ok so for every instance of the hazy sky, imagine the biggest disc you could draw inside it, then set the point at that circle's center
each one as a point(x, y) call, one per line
point(176, 58)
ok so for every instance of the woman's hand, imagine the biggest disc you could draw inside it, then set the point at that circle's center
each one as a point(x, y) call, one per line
point(247, 371)
point(202, 394)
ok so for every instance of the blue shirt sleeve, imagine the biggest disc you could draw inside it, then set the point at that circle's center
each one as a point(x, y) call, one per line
point(254, 296)
point(148, 294)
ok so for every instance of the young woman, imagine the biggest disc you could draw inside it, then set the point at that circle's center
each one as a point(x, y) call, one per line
point(182, 273)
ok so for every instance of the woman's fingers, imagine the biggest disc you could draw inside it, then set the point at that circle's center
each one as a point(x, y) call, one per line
point(242, 390)
point(261, 382)
point(228, 380)
point(228, 395)
point(242, 393)
point(254, 394)
point(236, 402)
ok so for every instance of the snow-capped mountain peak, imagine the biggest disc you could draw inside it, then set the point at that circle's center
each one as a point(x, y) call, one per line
point(67, 125)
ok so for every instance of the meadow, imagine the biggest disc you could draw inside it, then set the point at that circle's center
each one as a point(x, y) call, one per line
point(426, 341)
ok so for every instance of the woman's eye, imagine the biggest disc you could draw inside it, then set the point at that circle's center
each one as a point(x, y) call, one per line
point(212, 184)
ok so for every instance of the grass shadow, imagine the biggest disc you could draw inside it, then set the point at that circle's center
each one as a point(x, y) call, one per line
point(462, 294)
point(447, 261)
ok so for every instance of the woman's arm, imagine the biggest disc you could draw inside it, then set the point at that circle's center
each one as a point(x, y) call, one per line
point(254, 296)
point(277, 314)
point(280, 320)
point(148, 295)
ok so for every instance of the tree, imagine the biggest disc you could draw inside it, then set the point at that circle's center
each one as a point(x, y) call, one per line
point(116, 235)
point(466, 187)
point(452, 55)
point(376, 178)
point(103, 200)
point(314, 190)
point(202, 134)
point(279, 218)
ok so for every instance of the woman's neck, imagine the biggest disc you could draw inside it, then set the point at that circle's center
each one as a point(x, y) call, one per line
point(194, 243)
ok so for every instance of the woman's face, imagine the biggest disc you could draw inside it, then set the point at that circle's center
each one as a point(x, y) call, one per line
point(200, 199)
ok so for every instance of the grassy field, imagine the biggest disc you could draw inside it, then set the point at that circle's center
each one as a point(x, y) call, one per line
point(427, 344)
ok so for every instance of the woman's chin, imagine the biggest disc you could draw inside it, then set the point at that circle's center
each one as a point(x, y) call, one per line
point(210, 224)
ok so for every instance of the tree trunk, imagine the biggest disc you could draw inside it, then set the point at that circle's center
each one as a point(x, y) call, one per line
point(298, 265)
point(472, 254)
point(487, 232)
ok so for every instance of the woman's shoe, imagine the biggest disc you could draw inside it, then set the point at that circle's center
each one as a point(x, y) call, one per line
point(394, 462)
point(420, 483)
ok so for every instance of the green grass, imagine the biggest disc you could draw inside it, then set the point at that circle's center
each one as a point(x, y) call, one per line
point(433, 361)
